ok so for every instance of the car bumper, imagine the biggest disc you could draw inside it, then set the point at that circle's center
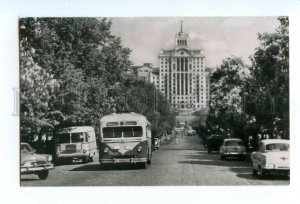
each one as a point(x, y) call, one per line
point(122, 160)
point(234, 154)
point(29, 170)
point(69, 156)
point(286, 169)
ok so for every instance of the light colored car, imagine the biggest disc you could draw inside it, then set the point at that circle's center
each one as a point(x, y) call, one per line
point(273, 155)
point(232, 147)
point(191, 132)
point(32, 163)
point(157, 143)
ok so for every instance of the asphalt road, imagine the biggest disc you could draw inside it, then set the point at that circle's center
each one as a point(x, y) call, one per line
point(185, 163)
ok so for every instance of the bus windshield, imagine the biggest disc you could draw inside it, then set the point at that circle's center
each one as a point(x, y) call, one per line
point(118, 132)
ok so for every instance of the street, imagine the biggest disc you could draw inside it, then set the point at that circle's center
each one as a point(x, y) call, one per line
point(185, 163)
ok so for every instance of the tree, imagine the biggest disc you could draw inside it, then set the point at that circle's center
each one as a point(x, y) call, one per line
point(73, 71)
point(269, 89)
point(79, 56)
point(37, 88)
point(225, 115)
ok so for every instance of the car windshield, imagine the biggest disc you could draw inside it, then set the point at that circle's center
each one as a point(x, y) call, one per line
point(117, 132)
point(234, 143)
point(26, 148)
point(278, 147)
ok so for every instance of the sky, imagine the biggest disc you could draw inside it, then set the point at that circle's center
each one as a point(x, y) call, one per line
point(218, 37)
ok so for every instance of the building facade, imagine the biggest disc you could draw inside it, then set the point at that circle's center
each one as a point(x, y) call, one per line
point(182, 75)
point(147, 73)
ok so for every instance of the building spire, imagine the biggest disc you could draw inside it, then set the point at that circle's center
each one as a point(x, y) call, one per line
point(181, 27)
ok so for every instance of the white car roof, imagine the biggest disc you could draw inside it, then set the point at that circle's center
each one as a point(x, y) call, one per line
point(270, 141)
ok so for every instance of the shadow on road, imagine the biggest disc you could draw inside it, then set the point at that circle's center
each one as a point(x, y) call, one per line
point(211, 162)
point(178, 148)
point(30, 179)
point(98, 167)
point(249, 176)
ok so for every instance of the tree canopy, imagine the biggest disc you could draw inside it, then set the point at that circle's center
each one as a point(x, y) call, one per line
point(252, 100)
point(72, 72)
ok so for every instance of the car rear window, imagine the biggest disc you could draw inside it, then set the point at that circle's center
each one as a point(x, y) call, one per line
point(278, 147)
point(234, 143)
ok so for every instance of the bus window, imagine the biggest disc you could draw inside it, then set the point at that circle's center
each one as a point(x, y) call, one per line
point(63, 138)
point(132, 131)
point(137, 131)
point(111, 132)
point(117, 132)
point(78, 137)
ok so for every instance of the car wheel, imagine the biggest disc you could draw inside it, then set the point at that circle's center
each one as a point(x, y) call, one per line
point(149, 158)
point(222, 157)
point(242, 158)
point(91, 159)
point(84, 160)
point(262, 173)
point(254, 171)
point(43, 175)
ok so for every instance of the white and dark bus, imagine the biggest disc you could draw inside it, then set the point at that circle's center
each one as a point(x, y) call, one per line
point(125, 138)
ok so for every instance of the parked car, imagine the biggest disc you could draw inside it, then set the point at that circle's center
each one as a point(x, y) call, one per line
point(273, 155)
point(214, 142)
point(32, 163)
point(191, 132)
point(233, 147)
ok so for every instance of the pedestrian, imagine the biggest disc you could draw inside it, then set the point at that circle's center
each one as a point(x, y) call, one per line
point(176, 139)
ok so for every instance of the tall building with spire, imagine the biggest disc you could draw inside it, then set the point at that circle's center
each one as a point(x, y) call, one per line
point(182, 76)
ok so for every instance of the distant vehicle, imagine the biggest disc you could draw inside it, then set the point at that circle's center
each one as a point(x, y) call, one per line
point(191, 132)
point(32, 163)
point(214, 143)
point(232, 147)
point(75, 143)
point(157, 143)
point(273, 155)
point(179, 129)
point(125, 138)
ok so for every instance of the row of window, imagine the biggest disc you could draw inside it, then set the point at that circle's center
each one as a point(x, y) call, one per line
point(187, 106)
point(166, 60)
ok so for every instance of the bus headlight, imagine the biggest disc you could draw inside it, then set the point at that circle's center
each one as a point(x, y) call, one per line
point(105, 150)
point(139, 149)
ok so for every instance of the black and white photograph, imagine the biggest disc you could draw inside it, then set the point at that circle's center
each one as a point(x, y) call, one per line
point(154, 101)
point(149, 102)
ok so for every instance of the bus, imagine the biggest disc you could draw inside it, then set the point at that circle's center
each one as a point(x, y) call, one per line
point(125, 138)
point(75, 143)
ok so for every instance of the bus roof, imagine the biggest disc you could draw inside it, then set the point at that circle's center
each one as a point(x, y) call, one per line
point(76, 129)
point(123, 117)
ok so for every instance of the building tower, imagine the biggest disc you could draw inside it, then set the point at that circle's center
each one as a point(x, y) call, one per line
point(182, 77)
